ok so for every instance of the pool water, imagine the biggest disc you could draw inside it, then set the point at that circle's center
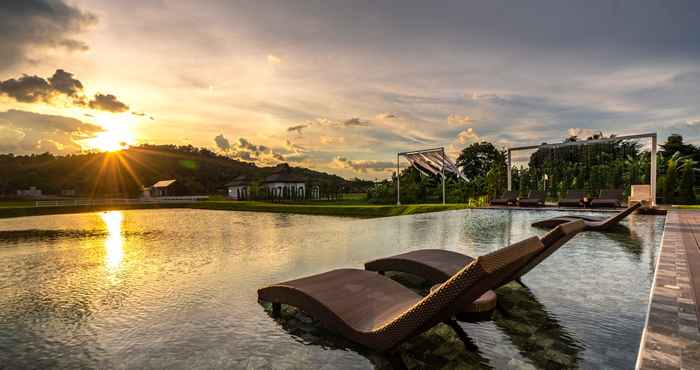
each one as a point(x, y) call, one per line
point(177, 289)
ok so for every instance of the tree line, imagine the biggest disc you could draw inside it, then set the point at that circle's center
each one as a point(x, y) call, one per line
point(591, 165)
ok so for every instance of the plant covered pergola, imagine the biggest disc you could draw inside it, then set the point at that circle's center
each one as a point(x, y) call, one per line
point(429, 162)
point(556, 148)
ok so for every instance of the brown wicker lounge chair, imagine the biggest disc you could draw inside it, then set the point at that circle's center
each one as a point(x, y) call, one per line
point(534, 199)
point(573, 198)
point(610, 198)
point(591, 223)
point(379, 313)
point(437, 265)
point(506, 199)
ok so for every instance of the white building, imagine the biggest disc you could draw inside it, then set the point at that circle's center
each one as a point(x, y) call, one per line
point(284, 185)
point(239, 188)
point(32, 192)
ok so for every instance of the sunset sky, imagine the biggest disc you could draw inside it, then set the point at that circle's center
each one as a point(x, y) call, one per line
point(341, 86)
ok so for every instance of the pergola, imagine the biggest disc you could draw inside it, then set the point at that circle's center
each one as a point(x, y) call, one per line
point(428, 162)
point(652, 171)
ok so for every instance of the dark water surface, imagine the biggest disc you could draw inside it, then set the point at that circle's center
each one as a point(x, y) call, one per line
point(177, 289)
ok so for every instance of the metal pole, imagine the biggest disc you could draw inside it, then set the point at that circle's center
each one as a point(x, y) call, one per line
point(442, 170)
point(653, 170)
point(398, 182)
point(510, 187)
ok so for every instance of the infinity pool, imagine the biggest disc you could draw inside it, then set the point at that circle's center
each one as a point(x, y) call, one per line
point(177, 289)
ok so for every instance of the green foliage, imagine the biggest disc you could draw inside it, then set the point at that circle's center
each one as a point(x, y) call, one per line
point(478, 159)
point(687, 185)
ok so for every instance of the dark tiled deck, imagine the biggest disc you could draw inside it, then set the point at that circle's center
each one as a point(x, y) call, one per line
point(671, 338)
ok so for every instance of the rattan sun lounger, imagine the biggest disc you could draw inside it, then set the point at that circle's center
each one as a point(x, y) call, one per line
point(610, 198)
point(507, 198)
point(377, 312)
point(534, 199)
point(591, 223)
point(437, 265)
point(573, 198)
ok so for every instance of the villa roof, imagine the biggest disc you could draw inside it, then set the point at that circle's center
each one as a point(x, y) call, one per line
point(163, 184)
point(239, 181)
point(283, 176)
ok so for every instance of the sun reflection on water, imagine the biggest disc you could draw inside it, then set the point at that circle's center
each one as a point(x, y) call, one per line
point(114, 242)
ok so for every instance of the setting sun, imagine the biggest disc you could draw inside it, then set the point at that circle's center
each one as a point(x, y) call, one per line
point(117, 134)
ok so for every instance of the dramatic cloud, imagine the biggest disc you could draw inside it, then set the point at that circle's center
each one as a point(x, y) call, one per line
point(297, 128)
point(59, 88)
point(272, 59)
point(109, 103)
point(28, 25)
point(467, 136)
point(363, 166)
point(26, 132)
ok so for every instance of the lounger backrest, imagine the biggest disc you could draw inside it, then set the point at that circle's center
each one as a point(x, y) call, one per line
point(537, 195)
point(618, 217)
point(552, 241)
point(463, 287)
point(611, 194)
point(575, 194)
point(510, 195)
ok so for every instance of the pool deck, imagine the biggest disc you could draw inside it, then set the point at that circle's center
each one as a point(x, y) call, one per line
point(671, 338)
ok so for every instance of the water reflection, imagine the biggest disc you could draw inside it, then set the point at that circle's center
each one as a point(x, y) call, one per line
point(114, 244)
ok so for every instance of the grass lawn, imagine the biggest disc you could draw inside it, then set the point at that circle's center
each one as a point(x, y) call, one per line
point(343, 207)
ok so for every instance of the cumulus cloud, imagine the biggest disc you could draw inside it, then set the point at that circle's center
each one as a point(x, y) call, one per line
point(24, 132)
point(108, 102)
point(222, 142)
point(61, 87)
point(459, 120)
point(31, 26)
point(273, 59)
point(245, 150)
point(363, 166)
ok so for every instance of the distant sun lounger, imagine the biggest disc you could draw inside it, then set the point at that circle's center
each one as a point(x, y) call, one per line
point(534, 199)
point(507, 198)
point(379, 313)
point(573, 198)
point(610, 198)
point(591, 223)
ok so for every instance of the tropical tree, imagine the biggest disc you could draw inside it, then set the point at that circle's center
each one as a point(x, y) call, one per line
point(476, 160)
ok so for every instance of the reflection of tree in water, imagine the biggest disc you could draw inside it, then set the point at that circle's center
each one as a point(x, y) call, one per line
point(437, 348)
point(534, 331)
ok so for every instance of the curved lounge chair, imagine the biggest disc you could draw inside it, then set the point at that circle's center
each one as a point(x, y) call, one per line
point(437, 265)
point(591, 223)
point(534, 199)
point(379, 313)
point(610, 198)
point(573, 198)
point(507, 198)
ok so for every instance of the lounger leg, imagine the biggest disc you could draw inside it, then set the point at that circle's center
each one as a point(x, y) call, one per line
point(521, 283)
point(380, 272)
point(276, 309)
point(468, 343)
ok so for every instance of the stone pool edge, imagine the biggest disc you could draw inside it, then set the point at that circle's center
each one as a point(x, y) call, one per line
point(671, 336)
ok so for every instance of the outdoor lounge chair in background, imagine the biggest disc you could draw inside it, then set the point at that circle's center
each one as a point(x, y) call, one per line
point(377, 312)
point(610, 198)
point(534, 199)
point(573, 198)
point(506, 199)
point(591, 223)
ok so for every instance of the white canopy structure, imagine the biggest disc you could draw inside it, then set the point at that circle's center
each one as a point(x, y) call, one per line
point(652, 170)
point(428, 162)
